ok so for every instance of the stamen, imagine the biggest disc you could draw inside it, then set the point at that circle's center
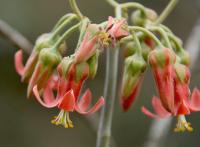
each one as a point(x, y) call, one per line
point(182, 125)
point(63, 119)
point(104, 38)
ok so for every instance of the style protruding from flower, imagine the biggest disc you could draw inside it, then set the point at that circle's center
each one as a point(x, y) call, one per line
point(70, 80)
point(172, 80)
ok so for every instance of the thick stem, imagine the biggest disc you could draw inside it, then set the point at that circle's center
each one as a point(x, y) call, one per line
point(166, 11)
point(104, 133)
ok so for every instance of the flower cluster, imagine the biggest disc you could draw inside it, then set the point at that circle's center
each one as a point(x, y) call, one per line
point(172, 77)
point(55, 80)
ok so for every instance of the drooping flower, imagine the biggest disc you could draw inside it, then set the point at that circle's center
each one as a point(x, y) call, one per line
point(132, 78)
point(71, 79)
point(26, 71)
point(47, 63)
point(161, 62)
point(175, 98)
point(89, 44)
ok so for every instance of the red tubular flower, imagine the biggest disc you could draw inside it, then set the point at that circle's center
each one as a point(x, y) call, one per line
point(183, 103)
point(26, 71)
point(47, 62)
point(132, 78)
point(161, 62)
point(68, 91)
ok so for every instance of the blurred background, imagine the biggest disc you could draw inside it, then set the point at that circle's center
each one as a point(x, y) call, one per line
point(24, 123)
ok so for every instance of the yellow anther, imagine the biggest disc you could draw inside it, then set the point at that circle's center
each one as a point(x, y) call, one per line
point(62, 119)
point(182, 125)
point(104, 38)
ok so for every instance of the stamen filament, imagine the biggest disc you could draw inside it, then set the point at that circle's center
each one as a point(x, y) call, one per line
point(182, 125)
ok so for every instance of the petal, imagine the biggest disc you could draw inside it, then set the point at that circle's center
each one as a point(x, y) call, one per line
point(29, 66)
point(86, 50)
point(68, 101)
point(126, 102)
point(98, 104)
point(33, 80)
point(110, 22)
point(18, 62)
point(183, 109)
point(159, 109)
point(38, 98)
point(85, 100)
point(48, 95)
point(148, 113)
point(161, 112)
point(194, 103)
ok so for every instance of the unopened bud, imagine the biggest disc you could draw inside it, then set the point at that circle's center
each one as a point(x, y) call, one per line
point(42, 42)
point(132, 79)
point(47, 62)
point(64, 65)
point(151, 14)
point(138, 18)
point(162, 57)
point(184, 57)
point(93, 64)
point(129, 48)
point(81, 71)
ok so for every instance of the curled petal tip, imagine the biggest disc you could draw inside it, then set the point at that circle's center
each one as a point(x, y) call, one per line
point(148, 113)
point(18, 62)
point(39, 99)
point(194, 102)
point(96, 107)
point(85, 100)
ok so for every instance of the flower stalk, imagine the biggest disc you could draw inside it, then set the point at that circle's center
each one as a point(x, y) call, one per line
point(104, 131)
point(75, 8)
point(167, 11)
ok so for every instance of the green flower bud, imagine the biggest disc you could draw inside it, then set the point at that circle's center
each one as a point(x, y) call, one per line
point(44, 41)
point(145, 50)
point(135, 64)
point(182, 72)
point(48, 57)
point(184, 57)
point(64, 65)
point(162, 57)
point(82, 71)
point(129, 48)
point(93, 64)
point(138, 18)
point(132, 78)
